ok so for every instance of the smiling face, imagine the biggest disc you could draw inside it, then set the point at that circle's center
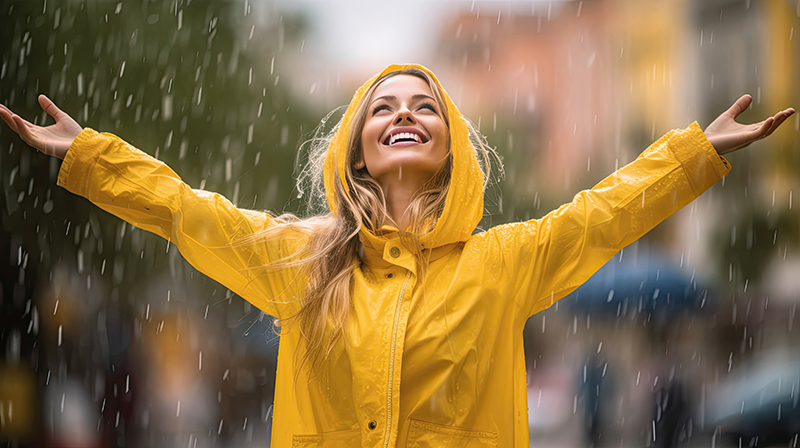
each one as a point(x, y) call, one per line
point(404, 135)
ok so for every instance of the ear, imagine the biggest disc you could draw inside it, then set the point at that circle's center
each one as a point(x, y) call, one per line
point(359, 163)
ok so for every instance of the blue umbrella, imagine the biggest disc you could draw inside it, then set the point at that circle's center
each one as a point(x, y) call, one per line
point(647, 285)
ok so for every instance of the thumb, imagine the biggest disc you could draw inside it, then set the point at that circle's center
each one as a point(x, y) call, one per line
point(739, 106)
point(50, 107)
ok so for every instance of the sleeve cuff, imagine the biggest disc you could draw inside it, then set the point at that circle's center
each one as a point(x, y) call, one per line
point(702, 163)
point(79, 161)
point(696, 146)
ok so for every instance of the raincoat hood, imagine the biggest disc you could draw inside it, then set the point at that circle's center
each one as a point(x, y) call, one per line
point(463, 208)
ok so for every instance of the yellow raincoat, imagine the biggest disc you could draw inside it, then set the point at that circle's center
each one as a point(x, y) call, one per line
point(432, 364)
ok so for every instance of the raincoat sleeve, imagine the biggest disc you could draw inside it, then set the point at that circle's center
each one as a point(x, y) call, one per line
point(550, 257)
point(145, 192)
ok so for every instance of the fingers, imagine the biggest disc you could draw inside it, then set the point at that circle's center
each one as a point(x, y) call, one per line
point(6, 115)
point(14, 119)
point(22, 129)
point(778, 119)
point(50, 107)
point(766, 127)
point(739, 106)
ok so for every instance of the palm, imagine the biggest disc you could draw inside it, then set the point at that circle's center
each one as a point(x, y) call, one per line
point(727, 135)
point(53, 140)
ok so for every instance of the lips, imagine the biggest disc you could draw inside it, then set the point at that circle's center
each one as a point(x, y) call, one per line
point(405, 136)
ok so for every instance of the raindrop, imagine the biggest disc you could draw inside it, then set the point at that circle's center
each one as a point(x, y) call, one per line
point(166, 108)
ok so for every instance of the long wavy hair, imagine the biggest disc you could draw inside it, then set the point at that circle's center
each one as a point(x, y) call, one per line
point(332, 251)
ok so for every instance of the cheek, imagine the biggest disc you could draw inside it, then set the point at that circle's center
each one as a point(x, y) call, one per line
point(443, 135)
point(371, 133)
point(369, 152)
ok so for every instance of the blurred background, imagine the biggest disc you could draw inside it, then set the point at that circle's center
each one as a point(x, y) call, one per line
point(108, 338)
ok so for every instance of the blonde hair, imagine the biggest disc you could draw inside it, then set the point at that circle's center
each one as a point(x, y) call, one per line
point(332, 252)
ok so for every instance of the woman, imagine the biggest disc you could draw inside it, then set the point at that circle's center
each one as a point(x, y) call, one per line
point(402, 326)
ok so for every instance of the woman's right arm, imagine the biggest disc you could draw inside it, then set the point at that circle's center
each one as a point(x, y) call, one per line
point(148, 194)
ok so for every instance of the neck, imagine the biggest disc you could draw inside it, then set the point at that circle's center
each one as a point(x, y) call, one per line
point(399, 189)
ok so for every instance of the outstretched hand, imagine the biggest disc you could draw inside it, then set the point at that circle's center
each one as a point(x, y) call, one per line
point(53, 140)
point(727, 135)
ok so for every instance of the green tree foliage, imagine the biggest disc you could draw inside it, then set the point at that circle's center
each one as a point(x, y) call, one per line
point(177, 79)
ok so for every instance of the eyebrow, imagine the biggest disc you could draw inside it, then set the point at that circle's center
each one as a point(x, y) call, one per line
point(413, 97)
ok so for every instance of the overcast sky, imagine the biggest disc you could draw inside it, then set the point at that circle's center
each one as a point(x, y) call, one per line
point(361, 34)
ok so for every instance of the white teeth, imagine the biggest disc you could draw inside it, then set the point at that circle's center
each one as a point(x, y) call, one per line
point(405, 135)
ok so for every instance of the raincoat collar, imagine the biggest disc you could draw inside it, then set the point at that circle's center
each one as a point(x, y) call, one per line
point(463, 208)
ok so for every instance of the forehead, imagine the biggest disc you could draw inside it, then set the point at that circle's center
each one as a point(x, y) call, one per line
point(401, 86)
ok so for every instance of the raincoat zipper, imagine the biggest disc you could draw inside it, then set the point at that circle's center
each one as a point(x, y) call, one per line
point(391, 362)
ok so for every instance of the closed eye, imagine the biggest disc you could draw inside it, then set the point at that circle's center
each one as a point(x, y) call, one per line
point(428, 106)
point(380, 108)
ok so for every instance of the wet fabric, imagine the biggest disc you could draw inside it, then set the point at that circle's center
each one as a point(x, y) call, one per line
point(431, 363)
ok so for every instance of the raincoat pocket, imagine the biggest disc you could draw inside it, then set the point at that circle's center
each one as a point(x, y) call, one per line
point(430, 435)
point(337, 439)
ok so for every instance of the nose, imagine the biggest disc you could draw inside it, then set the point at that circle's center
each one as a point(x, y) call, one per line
point(403, 114)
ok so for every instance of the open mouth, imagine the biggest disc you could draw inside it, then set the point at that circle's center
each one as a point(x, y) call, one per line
point(404, 138)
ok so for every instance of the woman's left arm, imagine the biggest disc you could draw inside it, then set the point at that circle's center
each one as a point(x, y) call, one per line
point(548, 258)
